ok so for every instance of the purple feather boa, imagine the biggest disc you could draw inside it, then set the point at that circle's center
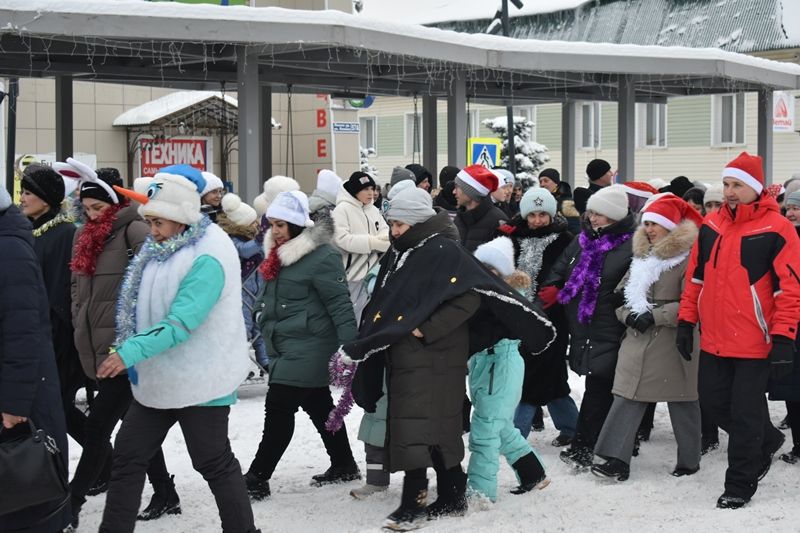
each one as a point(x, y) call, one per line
point(342, 375)
point(586, 275)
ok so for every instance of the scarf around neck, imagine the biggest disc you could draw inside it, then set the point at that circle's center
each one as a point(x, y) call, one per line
point(150, 251)
point(585, 277)
point(92, 241)
point(60, 217)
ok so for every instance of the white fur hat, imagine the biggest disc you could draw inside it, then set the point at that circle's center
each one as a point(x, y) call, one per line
point(174, 194)
point(328, 182)
point(291, 207)
point(272, 188)
point(237, 211)
point(212, 183)
point(498, 254)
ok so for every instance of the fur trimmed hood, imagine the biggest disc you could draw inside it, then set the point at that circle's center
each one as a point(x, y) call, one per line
point(246, 233)
point(302, 245)
point(677, 242)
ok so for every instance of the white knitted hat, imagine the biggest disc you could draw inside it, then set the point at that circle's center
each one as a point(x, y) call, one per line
point(611, 202)
point(291, 207)
point(498, 254)
point(272, 188)
point(329, 183)
point(237, 211)
point(212, 183)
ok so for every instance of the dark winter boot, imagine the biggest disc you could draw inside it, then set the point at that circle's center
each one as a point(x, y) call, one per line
point(578, 457)
point(411, 513)
point(708, 444)
point(731, 501)
point(792, 457)
point(561, 441)
point(769, 454)
point(613, 468)
point(101, 485)
point(164, 501)
point(681, 471)
point(538, 420)
point(784, 424)
point(530, 473)
point(451, 497)
point(257, 487)
point(337, 474)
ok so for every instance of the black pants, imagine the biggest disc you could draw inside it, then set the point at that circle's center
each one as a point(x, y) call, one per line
point(281, 404)
point(597, 400)
point(733, 391)
point(109, 406)
point(793, 416)
point(205, 430)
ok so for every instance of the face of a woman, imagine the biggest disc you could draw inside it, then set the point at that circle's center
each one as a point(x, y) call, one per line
point(280, 230)
point(366, 196)
point(712, 206)
point(94, 208)
point(398, 228)
point(538, 220)
point(547, 183)
point(32, 206)
point(655, 232)
point(162, 229)
point(213, 197)
point(598, 221)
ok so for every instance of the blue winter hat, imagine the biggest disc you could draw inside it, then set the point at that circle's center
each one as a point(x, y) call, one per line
point(535, 200)
point(188, 172)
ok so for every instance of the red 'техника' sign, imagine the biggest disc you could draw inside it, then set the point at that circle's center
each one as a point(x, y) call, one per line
point(155, 155)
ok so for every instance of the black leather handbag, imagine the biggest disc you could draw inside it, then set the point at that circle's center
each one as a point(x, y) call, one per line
point(32, 472)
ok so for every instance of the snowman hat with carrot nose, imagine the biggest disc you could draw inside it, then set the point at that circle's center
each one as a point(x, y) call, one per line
point(172, 194)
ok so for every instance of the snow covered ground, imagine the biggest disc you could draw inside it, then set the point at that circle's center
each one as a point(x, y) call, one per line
point(651, 500)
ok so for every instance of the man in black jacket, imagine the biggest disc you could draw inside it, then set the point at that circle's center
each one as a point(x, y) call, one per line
point(478, 219)
point(600, 175)
point(29, 387)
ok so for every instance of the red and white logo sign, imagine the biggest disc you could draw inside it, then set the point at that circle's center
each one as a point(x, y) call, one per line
point(155, 154)
point(783, 112)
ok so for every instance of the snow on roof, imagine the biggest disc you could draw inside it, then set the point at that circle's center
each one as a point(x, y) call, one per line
point(167, 105)
point(431, 11)
point(240, 24)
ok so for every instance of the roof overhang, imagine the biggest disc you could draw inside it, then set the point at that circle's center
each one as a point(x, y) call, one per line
point(197, 46)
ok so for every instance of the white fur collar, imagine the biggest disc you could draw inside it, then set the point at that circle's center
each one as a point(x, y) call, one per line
point(644, 272)
point(302, 245)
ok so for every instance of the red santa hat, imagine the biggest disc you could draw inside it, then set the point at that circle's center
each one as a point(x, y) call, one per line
point(748, 169)
point(477, 181)
point(669, 211)
point(640, 188)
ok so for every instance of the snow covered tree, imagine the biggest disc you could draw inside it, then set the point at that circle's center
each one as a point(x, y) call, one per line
point(530, 156)
point(363, 158)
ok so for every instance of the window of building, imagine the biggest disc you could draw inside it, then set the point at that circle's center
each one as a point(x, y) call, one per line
point(728, 119)
point(651, 125)
point(369, 132)
point(413, 134)
point(589, 125)
point(528, 112)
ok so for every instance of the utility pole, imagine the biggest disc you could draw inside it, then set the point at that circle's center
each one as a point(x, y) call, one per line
point(512, 160)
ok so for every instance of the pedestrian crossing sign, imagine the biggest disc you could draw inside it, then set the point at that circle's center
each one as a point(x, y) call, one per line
point(484, 151)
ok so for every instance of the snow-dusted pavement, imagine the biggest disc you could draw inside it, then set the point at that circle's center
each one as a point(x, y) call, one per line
point(651, 500)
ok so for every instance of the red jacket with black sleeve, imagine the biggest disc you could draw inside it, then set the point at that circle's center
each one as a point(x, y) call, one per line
point(742, 282)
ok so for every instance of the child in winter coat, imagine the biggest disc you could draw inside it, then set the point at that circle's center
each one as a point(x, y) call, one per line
point(239, 221)
point(495, 386)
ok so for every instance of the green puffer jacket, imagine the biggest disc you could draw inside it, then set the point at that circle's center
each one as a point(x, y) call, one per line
point(305, 313)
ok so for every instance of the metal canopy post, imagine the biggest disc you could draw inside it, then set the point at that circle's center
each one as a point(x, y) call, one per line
point(266, 133)
point(512, 158)
point(568, 142)
point(64, 142)
point(11, 134)
point(457, 124)
point(250, 123)
point(429, 136)
point(765, 132)
point(626, 149)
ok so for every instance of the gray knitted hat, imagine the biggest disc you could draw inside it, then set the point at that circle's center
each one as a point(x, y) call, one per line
point(400, 174)
point(411, 206)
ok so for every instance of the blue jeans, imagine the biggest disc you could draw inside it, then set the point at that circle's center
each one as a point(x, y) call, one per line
point(563, 411)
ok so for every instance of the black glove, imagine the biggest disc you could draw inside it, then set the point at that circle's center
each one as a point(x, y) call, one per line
point(781, 358)
point(685, 339)
point(640, 323)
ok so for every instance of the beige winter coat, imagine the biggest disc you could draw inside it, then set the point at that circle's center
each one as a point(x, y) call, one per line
point(649, 368)
point(361, 235)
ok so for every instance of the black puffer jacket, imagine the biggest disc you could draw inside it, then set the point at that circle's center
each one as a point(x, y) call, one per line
point(54, 250)
point(479, 225)
point(535, 253)
point(28, 378)
point(594, 346)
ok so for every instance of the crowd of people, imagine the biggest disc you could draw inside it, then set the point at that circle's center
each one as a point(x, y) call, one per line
point(439, 306)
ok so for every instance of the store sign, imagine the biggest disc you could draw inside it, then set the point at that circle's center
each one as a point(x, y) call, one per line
point(783, 118)
point(155, 154)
